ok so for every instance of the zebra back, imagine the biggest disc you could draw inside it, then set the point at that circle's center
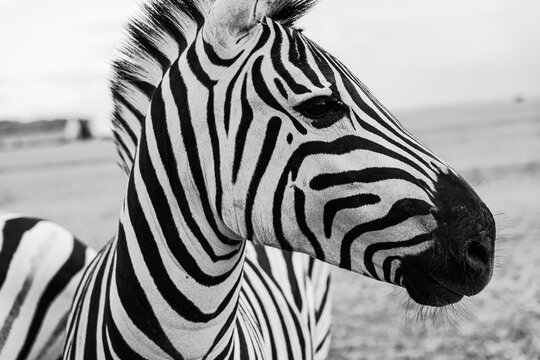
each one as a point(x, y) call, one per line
point(40, 268)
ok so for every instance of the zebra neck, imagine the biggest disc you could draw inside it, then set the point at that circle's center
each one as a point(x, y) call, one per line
point(184, 277)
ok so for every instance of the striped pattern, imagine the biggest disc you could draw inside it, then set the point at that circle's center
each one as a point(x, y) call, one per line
point(40, 267)
point(218, 125)
point(282, 311)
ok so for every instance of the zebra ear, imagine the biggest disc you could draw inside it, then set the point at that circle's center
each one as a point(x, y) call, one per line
point(230, 20)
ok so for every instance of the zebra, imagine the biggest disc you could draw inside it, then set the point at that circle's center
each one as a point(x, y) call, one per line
point(40, 267)
point(251, 151)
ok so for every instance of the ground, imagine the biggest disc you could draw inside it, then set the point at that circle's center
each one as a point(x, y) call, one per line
point(494, 146)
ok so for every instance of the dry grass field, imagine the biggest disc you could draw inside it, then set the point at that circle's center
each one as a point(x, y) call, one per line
point(495, 146)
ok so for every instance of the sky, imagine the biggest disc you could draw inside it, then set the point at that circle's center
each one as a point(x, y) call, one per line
point(55, 55)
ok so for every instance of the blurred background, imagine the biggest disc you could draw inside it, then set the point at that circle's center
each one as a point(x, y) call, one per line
point(462, 75)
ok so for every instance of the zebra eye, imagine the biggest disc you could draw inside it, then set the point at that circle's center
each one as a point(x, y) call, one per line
point(324, 110)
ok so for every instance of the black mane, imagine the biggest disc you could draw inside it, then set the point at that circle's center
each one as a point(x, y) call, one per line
point(155, 39)
point(288, 12)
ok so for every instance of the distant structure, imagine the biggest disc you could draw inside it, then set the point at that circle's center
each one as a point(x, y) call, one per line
point(16, 134)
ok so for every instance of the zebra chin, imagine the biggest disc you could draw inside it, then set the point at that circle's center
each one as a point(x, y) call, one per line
point(460, 261)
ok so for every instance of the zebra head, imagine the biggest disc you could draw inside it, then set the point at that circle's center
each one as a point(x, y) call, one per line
point(304, 158)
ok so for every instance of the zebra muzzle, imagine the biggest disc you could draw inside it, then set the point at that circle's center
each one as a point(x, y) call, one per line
point(460, 262)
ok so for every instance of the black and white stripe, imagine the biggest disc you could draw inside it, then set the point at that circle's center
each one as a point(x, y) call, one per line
point(40, 267)
point(237, 131)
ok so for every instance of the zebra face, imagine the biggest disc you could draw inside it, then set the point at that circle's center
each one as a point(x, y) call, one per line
point(312, 162)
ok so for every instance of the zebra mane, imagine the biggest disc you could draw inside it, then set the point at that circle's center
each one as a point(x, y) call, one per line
point(155, 39)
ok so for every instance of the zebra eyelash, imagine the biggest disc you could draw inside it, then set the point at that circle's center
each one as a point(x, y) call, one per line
point(323, 111)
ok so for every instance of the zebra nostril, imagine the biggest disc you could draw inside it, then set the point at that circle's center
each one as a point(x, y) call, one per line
point(477, 255)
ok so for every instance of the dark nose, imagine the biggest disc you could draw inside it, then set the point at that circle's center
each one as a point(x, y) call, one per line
point(460, 262)
point(471, 229)
point(466, 234)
